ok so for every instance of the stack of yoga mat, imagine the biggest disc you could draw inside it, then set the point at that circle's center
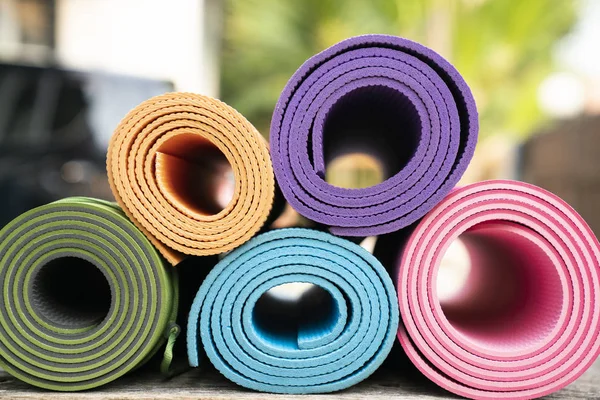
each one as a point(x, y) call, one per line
point(90, 293)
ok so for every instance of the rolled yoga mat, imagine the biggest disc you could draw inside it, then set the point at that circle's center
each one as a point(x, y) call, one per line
point(171, 163)
point(386, 97)
point(524, 322)
point(333, 337)
point(86, 298)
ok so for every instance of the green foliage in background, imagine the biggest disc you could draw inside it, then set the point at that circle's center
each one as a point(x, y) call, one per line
point(503, 48)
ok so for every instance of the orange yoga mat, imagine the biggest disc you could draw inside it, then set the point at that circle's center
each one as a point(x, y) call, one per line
point(172, 165)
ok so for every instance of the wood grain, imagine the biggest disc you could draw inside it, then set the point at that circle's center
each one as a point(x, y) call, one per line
point(205, 383)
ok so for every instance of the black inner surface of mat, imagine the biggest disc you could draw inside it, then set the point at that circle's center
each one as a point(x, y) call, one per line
point(71, 292)
point(377, 121)
point(279, 316)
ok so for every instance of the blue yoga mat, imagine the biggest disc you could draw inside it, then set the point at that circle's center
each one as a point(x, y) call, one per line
point(341, 336)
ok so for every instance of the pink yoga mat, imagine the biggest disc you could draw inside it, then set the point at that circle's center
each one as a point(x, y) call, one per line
point(526, 321)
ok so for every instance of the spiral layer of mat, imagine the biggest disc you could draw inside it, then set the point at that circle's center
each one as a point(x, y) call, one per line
point(59, 346)
point(550, 334)
point(385, 96)
point(153, 161)
point(324, 356)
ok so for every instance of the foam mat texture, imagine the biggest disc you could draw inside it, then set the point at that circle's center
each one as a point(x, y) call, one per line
point(385, 96)
point(161, 163)
point(324, 354)
point(54, 342)
point(549, 334)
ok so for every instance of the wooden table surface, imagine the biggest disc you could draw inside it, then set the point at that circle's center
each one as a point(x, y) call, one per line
point(205, 383)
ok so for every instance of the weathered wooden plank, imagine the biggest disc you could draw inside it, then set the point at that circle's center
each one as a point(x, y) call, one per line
point(207, 384)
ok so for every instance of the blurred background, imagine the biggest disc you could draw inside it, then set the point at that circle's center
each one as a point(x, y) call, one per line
point(71, 69)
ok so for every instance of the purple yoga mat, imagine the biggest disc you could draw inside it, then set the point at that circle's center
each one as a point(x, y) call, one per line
point(384, 96)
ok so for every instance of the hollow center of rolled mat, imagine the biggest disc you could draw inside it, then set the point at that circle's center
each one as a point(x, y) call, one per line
point(71, 292)
point(354, 171)
point(499, 288)
point(295, 315)
point(375, 122)
point(193, 173)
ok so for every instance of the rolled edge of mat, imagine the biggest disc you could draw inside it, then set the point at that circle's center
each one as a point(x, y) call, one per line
point(63, 343)
point(554, 335)
point(171, 133)
point(324, 357)
point(447, 133)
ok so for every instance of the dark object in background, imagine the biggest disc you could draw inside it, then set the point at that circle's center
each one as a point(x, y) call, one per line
point(564, 160)
point(54, 130)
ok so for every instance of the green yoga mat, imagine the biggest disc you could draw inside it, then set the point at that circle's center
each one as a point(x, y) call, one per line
point(86, 298)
